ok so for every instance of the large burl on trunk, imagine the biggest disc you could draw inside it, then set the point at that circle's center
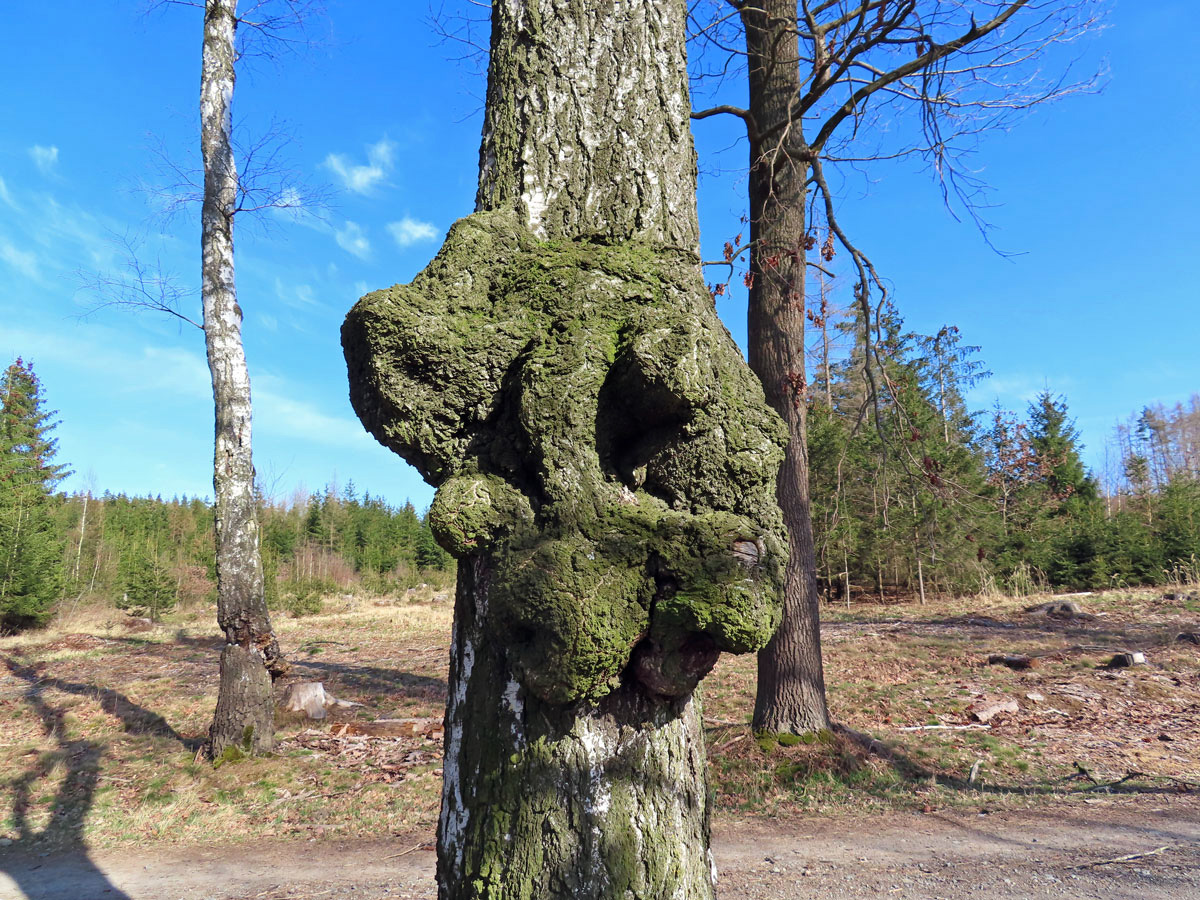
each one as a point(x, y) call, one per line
point(605, 465)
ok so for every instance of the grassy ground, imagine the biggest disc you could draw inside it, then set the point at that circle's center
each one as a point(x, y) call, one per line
point(99, 724)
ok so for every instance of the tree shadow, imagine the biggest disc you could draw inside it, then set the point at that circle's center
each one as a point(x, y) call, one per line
point(914, 772)
point(378, 682)
point(1091, 628)
point(69, 871)
point(375, 680)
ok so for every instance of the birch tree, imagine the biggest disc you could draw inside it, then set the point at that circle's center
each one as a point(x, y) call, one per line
point(604, 461)
point(245, 713)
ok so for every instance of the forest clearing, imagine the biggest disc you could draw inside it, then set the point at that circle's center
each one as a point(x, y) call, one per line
point(675, 540)
point(103, 714)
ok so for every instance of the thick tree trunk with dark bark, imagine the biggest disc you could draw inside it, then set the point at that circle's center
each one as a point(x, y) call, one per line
point(597, 800)
point(605, 465)
point(245, 713)
point(586, 130)
point(791, 680)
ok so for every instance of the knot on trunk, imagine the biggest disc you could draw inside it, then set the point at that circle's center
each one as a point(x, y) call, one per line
point(594, 434)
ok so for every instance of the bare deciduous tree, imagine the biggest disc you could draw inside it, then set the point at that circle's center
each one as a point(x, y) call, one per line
point(825, 76)
point(251, 657)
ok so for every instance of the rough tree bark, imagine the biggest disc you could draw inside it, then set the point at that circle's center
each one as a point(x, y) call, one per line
point(605, 465)
point(791, 679)
point(245, 713)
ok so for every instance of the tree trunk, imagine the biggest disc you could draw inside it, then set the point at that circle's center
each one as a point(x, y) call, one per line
point(603, 800)
point(245, 713)
point(605, 465)
point(791, 680)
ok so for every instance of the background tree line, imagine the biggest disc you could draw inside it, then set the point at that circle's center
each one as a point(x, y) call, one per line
point(914, 491)
point(146, 554)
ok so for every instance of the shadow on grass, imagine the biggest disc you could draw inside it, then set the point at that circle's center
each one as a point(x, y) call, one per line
point(67, 870)
point(374, 680)
point(1094, 631)
point(913, 772)
point(377, 681)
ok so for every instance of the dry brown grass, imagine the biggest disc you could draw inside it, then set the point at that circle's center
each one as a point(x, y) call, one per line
point(902, 665)
point(101, 724)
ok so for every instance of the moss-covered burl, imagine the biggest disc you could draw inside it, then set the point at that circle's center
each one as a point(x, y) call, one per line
point(605, 463)
point(593, 430)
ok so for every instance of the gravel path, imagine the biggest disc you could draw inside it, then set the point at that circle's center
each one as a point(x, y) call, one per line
point(1072, 851)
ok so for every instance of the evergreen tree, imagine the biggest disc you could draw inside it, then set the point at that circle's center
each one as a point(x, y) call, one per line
point(149, 589)
point(1056, 442)
point(1067, 536)
point(31, 550)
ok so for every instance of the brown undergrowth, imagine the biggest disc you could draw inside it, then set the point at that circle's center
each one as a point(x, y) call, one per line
point(99, 724)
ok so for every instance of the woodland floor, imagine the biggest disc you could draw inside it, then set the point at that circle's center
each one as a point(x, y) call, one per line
point(99, 725)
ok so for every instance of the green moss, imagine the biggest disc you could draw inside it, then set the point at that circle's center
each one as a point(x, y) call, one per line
point(596, 435)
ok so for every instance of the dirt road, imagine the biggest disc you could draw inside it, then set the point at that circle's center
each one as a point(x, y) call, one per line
point(1074, 851)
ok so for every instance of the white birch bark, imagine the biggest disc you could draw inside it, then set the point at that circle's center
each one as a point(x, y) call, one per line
point(245, 707)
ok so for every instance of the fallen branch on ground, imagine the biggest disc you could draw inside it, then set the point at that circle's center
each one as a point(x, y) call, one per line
point(1128, 857)
point(942, 727)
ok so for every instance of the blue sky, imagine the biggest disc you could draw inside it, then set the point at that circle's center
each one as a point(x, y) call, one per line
point(1097, 194)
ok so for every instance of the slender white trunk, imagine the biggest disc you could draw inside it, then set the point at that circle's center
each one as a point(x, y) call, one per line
point(245, 707)
point(82, 533)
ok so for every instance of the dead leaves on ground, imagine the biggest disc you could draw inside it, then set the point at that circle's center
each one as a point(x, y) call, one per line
point(379, 760)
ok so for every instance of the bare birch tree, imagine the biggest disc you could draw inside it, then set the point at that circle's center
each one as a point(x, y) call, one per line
point(245, 713)
point(251, 657)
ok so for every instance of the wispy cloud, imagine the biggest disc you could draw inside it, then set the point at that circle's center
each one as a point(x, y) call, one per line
point(45, 158)
point(353, 239)
point(279, 413)
point(409, 231)
point(177, 371)
point(359, 178)
point(125, 367)
point(6, 196)
point(299, 297)
point(23, 261)
point(1017, 389)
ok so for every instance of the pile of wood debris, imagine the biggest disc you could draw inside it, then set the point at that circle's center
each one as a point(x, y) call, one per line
point(386, 750)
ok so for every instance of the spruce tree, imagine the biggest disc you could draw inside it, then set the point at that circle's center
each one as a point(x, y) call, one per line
point(31, 552)
point(1056, 442)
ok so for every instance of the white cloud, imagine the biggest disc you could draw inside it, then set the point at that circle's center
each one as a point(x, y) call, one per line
point(279, 414)
point(353, 239)
point(362, 178)
point(1016, 389)
point(23, 261)
point(299, 297)
point(6, 196)
point(268, 322)
point(101, 353)
point(177, 371)
point(409, 231)
point(45, 158)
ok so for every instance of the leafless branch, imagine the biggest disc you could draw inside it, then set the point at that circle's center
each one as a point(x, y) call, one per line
point(138, 285)
point(266, 180)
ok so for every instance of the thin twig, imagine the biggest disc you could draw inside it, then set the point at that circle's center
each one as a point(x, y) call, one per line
point(944, 727)
point(414, 847)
